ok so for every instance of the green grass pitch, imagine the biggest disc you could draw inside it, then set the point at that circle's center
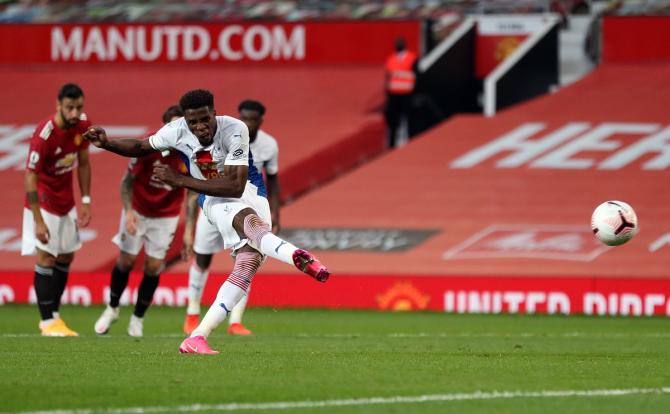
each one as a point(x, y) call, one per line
point(319, 361)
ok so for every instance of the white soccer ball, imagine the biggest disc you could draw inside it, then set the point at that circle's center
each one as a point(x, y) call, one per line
point(614, 222)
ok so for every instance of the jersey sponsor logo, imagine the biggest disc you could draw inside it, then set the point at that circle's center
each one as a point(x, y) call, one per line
point(238, 153)
point(66, 163)
point(206, 165)
point(575, 146)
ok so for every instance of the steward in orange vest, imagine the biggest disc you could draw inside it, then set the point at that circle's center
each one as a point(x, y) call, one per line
point(400, 78)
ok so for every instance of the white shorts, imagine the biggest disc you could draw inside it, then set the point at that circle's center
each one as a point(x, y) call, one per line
point(155, 234)
point(63, 233)
point(220, 213)
point(208, 239)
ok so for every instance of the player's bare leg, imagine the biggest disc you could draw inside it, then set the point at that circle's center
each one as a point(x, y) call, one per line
point(45, 290)
point(118, 283)
point(247, 262)
point(248, 223)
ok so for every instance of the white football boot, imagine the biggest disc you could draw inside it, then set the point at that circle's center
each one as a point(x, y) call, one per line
point(108, 317)
point(136, 326)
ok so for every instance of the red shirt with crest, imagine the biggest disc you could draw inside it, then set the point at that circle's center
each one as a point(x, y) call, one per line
point(53, 155)
point(151, 197)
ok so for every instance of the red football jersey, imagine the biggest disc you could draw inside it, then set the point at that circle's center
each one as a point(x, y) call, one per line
point(151, 197)
point(53, 155)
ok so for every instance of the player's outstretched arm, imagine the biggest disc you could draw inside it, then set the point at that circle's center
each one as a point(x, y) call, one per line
point(128, 147)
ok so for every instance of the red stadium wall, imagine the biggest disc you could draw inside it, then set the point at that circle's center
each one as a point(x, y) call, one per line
point(552, 295)
point(212, 44)
point(636, 38)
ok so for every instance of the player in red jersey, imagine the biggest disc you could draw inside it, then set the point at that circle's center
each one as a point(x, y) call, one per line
point(50, 223)
point(149, 218)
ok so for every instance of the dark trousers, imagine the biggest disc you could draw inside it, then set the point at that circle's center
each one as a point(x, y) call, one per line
point(397, 108)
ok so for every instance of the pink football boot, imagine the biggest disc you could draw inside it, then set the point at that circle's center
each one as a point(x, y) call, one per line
point(306, 262)
point(196, 345)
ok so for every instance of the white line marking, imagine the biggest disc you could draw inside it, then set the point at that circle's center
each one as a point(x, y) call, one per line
point(400, 335)
point(284, 405)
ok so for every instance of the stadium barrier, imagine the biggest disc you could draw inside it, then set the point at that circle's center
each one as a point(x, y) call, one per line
point(482, 294)
point(635, 39)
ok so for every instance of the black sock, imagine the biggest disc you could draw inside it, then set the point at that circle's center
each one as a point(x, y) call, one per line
point(59, 282)
point(145, 294)
point(43, 282)
point(117, 285)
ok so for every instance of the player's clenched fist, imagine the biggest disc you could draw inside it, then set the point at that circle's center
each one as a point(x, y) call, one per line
point(168, 175)
point(96, 135)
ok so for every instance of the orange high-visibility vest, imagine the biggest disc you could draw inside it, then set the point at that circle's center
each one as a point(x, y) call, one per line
point(401, 78)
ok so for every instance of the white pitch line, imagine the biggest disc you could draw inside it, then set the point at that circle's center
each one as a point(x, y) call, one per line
point(407, 335)
point(286, 405)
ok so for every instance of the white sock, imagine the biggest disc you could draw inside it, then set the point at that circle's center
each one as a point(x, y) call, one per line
point(238, 310)
point(277, 248)
point(196, 285)
point(226, 299)
point(46, 322)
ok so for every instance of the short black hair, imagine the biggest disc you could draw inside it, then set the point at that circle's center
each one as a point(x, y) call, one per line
point(196, 98)
point(171, 112)
point(251, 105)
point(400, 44)
point(70, 90)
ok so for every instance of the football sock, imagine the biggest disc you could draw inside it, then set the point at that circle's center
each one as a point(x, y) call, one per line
point(43, 281)
point(196, 284)
point(61, 271)
point(117, 285)
point(145, 294)
point(259, 232)
point(238, 310)
point(230, 293)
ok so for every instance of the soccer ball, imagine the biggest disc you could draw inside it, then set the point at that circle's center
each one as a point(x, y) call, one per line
point(614, 222)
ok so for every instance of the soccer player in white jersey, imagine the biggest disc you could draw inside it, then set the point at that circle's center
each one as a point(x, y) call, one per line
point(232, 194)
point(208, 240)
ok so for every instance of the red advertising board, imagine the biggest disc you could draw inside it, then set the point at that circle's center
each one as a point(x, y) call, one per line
point(309, 42)
point(636, 38)
point(525, 295)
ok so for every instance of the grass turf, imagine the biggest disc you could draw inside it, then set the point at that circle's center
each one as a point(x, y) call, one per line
point(298, 355)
